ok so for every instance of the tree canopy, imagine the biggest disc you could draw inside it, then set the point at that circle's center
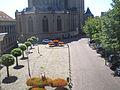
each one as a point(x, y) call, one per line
point(105, 30)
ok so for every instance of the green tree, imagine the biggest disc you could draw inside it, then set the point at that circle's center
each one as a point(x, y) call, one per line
point(30, 40)
point(16, 52)
point(111, 28)
point(92, 28)
point(28, 43)
point(7, 60)
point(23, 47)
point(34, 39)
point(105, 31)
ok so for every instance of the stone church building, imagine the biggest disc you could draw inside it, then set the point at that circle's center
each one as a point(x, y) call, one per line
point(51, 19)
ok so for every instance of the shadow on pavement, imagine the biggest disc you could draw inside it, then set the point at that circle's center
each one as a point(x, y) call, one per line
point(69, 40)
point(61, 88)
point(18, 67)
point(10, 79)
point(25, 58)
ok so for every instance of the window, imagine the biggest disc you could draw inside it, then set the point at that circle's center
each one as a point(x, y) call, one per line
point(59, 23)
point(30, 24)
point(45, 24)
point(20, 26)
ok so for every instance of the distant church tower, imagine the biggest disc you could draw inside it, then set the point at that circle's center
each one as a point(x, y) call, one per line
point(87, 15)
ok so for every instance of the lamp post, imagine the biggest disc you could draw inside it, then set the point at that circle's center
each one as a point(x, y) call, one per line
point(38, 45)
point(27, 53)
point(70, 76)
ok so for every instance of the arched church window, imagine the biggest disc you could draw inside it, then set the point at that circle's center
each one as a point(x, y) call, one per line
point(20, 26)
point(45, 24)
point(59, 23)
point(30, 24)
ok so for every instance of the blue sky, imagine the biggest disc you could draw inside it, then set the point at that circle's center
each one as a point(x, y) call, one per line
point(96, 6)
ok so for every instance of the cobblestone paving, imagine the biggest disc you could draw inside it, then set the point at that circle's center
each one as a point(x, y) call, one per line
point(53, 61)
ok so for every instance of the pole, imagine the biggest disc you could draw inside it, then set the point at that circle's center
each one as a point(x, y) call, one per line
point(38, 50)
point(28, 65)
point(70, 76)
point(38, 46)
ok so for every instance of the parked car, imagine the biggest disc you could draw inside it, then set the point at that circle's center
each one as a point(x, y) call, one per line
point(117, 71)
point(114, 60)
point(46, 41)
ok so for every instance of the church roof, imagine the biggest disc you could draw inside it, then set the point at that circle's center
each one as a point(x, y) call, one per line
point(88, 11)
point(5, 17)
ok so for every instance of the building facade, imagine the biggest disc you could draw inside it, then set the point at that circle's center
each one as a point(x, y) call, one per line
point(50, 19)
point(8, 29)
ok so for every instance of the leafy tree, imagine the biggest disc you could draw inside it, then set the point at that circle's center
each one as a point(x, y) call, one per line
point(105, 31)
point(16, 52)
point(111, 28)
point(93, 29)
point(28, 43)
point(30, 40)
point(109, 37)
point(34, 39)
point(7, 60)
point(23, 47)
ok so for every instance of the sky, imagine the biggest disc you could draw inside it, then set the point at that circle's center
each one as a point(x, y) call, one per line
point(96, 6)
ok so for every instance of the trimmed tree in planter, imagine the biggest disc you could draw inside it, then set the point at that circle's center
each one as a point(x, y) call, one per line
point(34, 39)
point(7, 60)
point(23, 47)
point(16, 52)
point(30, 40)
point(28, 43)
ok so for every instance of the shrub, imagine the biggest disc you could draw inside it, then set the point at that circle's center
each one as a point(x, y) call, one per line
point(30, 40)
point(30, 81)
point(55, 41)
point(28, 43)
point(16, 52)
point(59, 82)
point(61, 42)
point(38, 81)
point(23, 47)
point(51, 43)
point(34, 38)
point(7, 60)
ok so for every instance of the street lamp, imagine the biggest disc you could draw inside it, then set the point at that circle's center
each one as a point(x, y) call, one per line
point(27, 53)
point(38, 45)
point(70, 76)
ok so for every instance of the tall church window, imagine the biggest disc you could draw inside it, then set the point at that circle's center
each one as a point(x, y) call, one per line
point(45, 24)
point(59, 23)
point(20, 26)
point(30, 24)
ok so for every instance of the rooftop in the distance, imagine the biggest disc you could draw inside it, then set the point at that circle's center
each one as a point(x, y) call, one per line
point(5, 17)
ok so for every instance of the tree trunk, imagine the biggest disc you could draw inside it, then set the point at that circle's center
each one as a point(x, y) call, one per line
point(7, 71)
point(16, 61)
point(23, 53)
